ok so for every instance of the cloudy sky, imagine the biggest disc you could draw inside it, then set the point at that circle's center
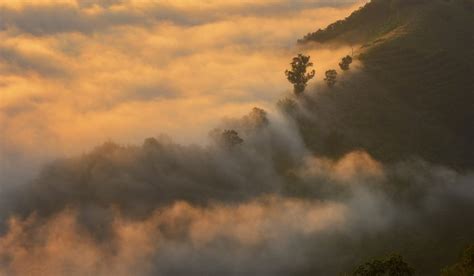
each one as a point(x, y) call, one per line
point(75, 73)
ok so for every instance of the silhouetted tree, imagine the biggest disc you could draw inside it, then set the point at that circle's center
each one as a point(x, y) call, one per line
point(297, 75)
point(228, 138)
point(231, 138)
point(345, 63)
point(392, 265)
point(331, 77)
point(465, 265)
point(256, 119)
point(150, 143)
point(287, 105)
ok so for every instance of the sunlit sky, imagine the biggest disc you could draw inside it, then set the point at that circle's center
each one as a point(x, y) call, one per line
point(74, 74)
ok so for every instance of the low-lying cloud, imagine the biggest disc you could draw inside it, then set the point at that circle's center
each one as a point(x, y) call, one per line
point(174, 240)
point(167, 209)
point(77, 73)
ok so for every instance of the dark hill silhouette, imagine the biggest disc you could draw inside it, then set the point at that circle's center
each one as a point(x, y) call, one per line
point(415, 93)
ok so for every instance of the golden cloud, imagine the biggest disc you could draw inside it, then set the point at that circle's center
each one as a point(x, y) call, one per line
point(60, 245)
point(65, 91)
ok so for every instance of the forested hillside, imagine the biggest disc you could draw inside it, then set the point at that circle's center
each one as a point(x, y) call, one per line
point(414, 94)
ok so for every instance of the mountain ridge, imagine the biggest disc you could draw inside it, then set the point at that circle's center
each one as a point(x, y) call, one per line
point(421, 53)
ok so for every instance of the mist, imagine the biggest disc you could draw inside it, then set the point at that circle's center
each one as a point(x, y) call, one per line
point(77, 73)
point(143, 138)
point(267, 207)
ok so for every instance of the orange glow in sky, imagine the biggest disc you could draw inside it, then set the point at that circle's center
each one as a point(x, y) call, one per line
point(76, 73)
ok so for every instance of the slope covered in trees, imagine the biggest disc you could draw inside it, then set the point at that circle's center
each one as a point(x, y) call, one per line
point(414, 94)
